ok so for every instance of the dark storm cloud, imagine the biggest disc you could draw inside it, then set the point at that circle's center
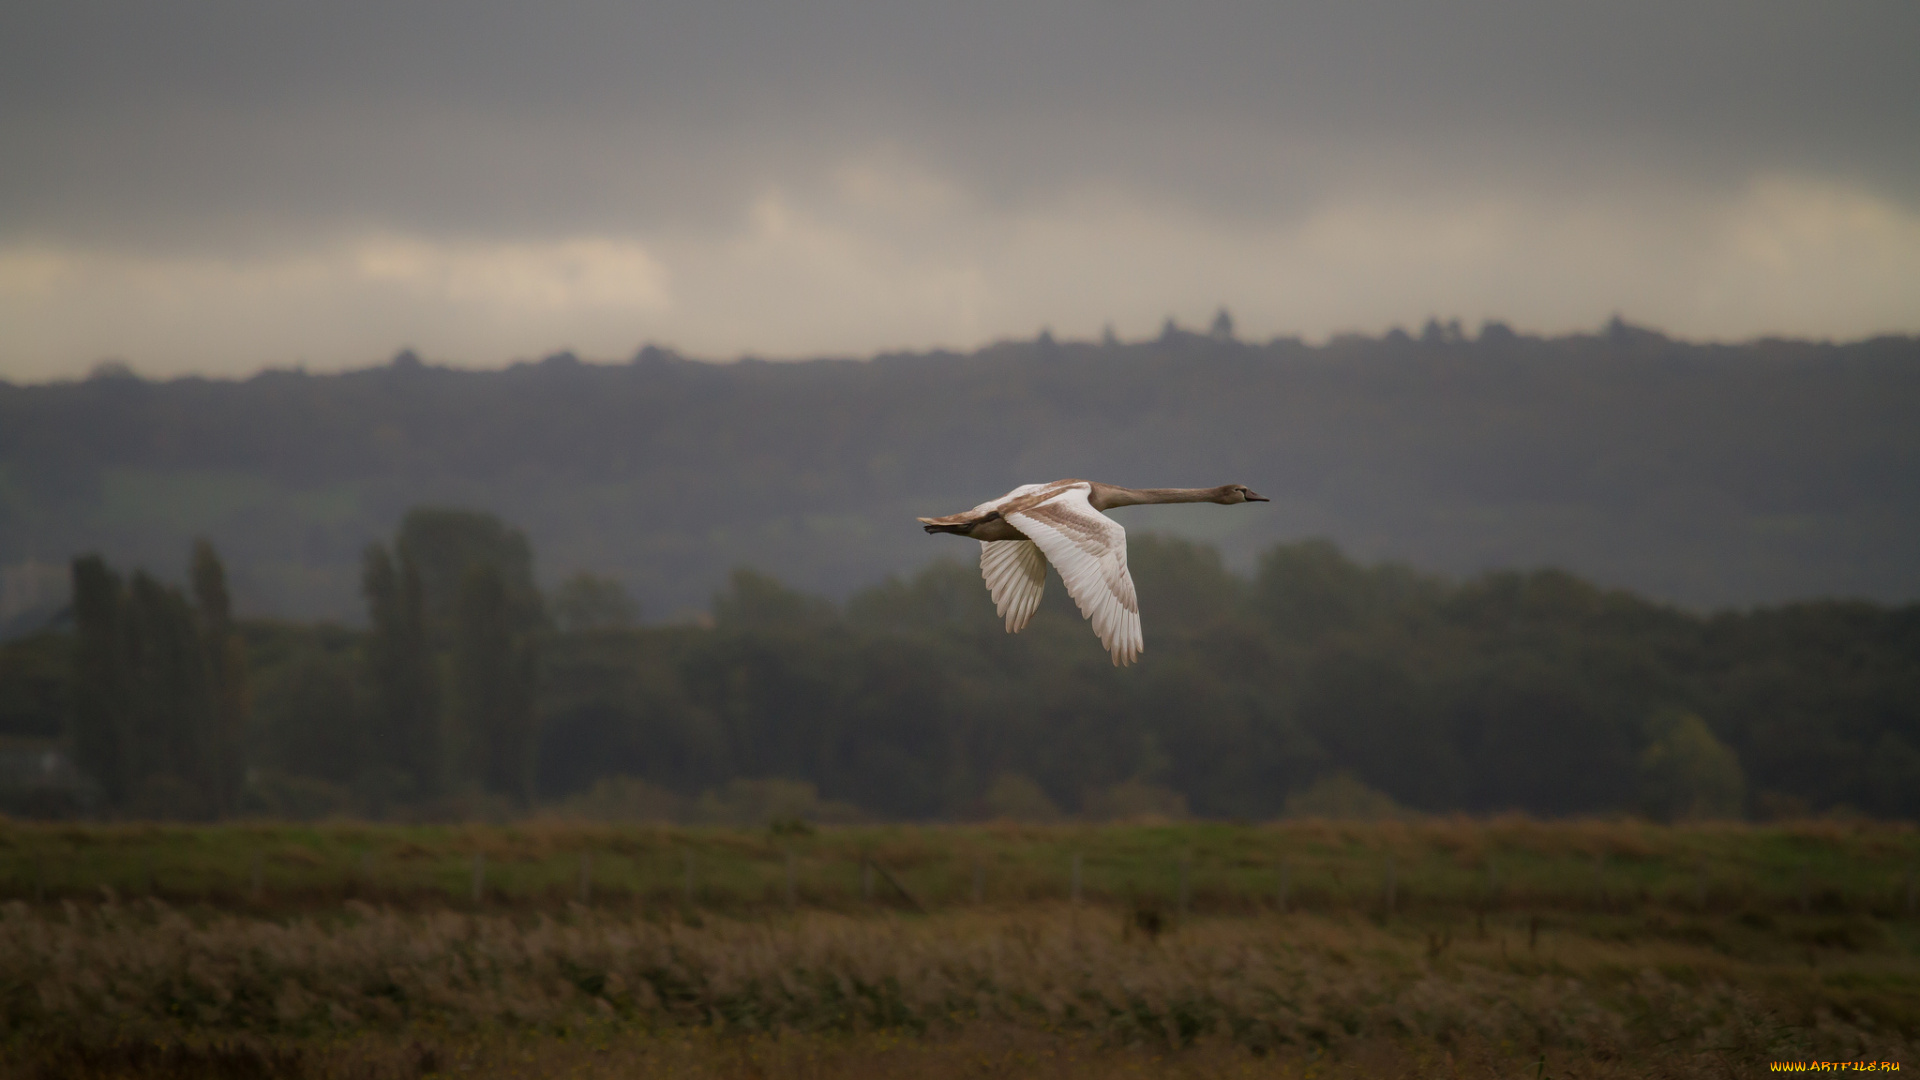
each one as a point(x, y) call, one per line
point(131, 119)
point(218, 186)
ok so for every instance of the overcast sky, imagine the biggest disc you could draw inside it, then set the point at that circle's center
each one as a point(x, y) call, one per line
point(222, 187)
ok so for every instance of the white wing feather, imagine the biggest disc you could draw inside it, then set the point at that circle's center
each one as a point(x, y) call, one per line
point(1016, 574)
point(1089, 549)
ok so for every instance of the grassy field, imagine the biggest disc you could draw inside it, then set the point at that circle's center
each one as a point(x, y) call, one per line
point(1219, 868)
point(1445, 947)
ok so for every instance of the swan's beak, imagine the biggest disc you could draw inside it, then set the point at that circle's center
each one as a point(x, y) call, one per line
point(1251, 497)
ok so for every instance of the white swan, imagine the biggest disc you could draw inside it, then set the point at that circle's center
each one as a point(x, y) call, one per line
point(1023, 530)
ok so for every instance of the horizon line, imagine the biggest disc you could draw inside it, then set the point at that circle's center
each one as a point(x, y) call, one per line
point(1616, 330)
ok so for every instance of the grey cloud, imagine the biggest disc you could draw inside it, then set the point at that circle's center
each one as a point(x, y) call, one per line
point(1777, 67)
point(214, 186)
point(134, 119)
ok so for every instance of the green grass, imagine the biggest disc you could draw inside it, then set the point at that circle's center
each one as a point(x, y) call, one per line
point(145, 950)
point(1503, 864)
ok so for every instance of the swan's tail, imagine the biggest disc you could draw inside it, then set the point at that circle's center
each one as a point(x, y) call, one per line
point(958, 524)
point(947, 525)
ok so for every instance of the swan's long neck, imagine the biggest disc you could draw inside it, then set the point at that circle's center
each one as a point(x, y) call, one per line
point(1107, 496)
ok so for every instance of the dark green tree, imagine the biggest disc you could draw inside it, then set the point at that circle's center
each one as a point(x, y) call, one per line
point(442, 544)
point(1688, 774)
point(230, 698)
point(456, 619)
point(591, 602)
point(402, 672)
point(319, 731)
point(494, 662)
point(100, 726)
point(150, 723)
point(756, 601)
point(172, 710)
point(36, 685)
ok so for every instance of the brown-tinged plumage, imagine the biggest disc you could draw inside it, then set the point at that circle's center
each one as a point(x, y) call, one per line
point(1064, 523)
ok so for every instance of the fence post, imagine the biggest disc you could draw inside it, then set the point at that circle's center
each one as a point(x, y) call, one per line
point(479, 875)
point(1076, 878)
point(586, 877)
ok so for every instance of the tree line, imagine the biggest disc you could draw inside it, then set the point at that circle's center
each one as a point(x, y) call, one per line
point(160, 696)
point(1313, 684)
point(451, 658)
point(1714, 475)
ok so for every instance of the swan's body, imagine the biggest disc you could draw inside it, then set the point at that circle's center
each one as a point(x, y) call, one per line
point(1063, 523)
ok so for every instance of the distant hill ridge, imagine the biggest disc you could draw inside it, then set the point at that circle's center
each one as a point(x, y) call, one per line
point(1710, 475)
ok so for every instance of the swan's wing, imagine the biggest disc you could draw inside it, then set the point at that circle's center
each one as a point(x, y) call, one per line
point(1016, 573)
point(1017, 493)
point(1090, 551)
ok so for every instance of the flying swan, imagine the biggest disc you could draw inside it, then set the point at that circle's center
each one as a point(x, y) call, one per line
point(1062, 522)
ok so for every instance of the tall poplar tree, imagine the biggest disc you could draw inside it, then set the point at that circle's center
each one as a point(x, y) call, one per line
point(175, 744)
point(402, 670)
point(456, 620)
point(160, 689)
point(230, 701)
point(100, 726)
point(494, 659)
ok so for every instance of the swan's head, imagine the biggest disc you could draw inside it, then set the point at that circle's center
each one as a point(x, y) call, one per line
point(1239, 493)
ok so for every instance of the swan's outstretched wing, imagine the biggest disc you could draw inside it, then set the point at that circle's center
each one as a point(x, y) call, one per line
point(1016, 574)
point(1015, 495)
point(1089, 549)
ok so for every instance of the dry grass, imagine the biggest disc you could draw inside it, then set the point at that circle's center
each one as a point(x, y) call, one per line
point(364, 957)
point(370, 984)
point(1001, 1053)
